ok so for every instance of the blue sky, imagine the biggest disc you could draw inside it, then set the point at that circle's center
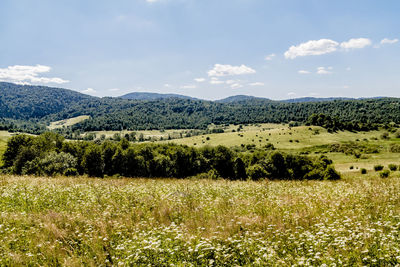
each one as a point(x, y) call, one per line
point(204, 48)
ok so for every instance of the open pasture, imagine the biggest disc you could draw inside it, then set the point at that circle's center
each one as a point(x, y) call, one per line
point(99, 222)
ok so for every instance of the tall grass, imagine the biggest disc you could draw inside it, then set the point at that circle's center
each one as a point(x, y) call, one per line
point(75, 221)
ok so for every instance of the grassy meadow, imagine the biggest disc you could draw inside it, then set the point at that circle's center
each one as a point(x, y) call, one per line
point(201, 222)
point(100, 222)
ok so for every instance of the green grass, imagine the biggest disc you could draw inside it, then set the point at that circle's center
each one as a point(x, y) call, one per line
point(84, 221)
point(4, 135)
point(67, 122)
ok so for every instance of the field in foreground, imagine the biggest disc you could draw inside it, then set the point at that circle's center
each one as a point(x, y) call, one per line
point(99, 222)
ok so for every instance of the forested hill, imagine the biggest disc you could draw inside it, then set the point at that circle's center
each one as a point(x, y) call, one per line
point(44, 104)
point(27, 102)
point(152, 96)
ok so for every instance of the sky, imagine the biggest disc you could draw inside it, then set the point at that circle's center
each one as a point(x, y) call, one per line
point(208, 49)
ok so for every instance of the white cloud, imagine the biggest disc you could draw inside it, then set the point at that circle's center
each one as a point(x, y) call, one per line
point(215, 80)
point(270, 57)
point(113, 89)
point(323, 70)
point(89, 91)
point(231, 81)
point(389, 41)
point(152, 1)
point(28, 74)
point(188, 86)
point(257, 84)
point(304, 72)
point(229, 70)
point(291, 94)
point(348, 69)
point(167, 85)
point(312, 48)
point(356, 43)
point(199, 80)
point(236, 85)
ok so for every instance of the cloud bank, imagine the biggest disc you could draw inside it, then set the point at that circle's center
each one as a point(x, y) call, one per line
point(220, 70)
point(28, 74)
point(324, 46)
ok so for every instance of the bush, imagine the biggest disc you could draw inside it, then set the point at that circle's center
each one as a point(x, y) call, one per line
point(363, 171)
point(71, 172)
point(392, 167)
point(331, 174)
point(378, 167)
point(385, 135)
point(384, 174)
point(256, 172)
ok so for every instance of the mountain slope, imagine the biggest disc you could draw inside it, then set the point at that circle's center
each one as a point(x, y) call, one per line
point(152, 96)
point(27, 102)
point(239, 98)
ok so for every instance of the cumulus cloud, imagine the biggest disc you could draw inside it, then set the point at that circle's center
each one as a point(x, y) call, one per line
point(356, 43)
point(89, 91)
point(188, 86)
point(28, 74)
point(323, 70)
point(215, 80)
point(326, 46)
point(236, 85)
point(257, 84)
point(199, 80)
point(220, 70)
point(270, 57)
point(312, 48)
point(303, 72)
point(389, 41)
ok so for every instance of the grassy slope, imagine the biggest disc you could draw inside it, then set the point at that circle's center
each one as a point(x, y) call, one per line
point(280, 136)
point(67, 122)
point(3, 142)
point(85, 221)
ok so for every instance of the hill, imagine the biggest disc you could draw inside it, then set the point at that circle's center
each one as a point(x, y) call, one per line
point(315, 99)
point(31, 102)
point(239, 98)
point(22, 105)
point(152, 96)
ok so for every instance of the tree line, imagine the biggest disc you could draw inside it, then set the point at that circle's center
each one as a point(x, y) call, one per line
point(29, 105)
point(49, 154)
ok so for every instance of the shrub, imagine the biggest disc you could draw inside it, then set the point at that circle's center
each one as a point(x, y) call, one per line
point(394, 148)
point(385, 135)
point(256, 172)
point(378, 167)
point(363, 171)
point(71, 172)
point(331, 174)
point(384, 173)
point(392, 167)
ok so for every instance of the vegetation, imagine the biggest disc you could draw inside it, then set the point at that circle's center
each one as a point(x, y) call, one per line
point(30, 103)
point(142, 222)
point(49, 154)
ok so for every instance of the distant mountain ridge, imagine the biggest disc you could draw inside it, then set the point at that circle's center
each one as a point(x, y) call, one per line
point(238, 98)
point(29, 101)
point(41, 105)
point(152, 96)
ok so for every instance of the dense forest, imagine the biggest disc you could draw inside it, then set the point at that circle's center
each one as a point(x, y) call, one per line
point(40, 105)
point(50, 154)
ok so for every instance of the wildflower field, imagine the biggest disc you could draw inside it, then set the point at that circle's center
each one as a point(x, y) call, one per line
point(193, 222)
